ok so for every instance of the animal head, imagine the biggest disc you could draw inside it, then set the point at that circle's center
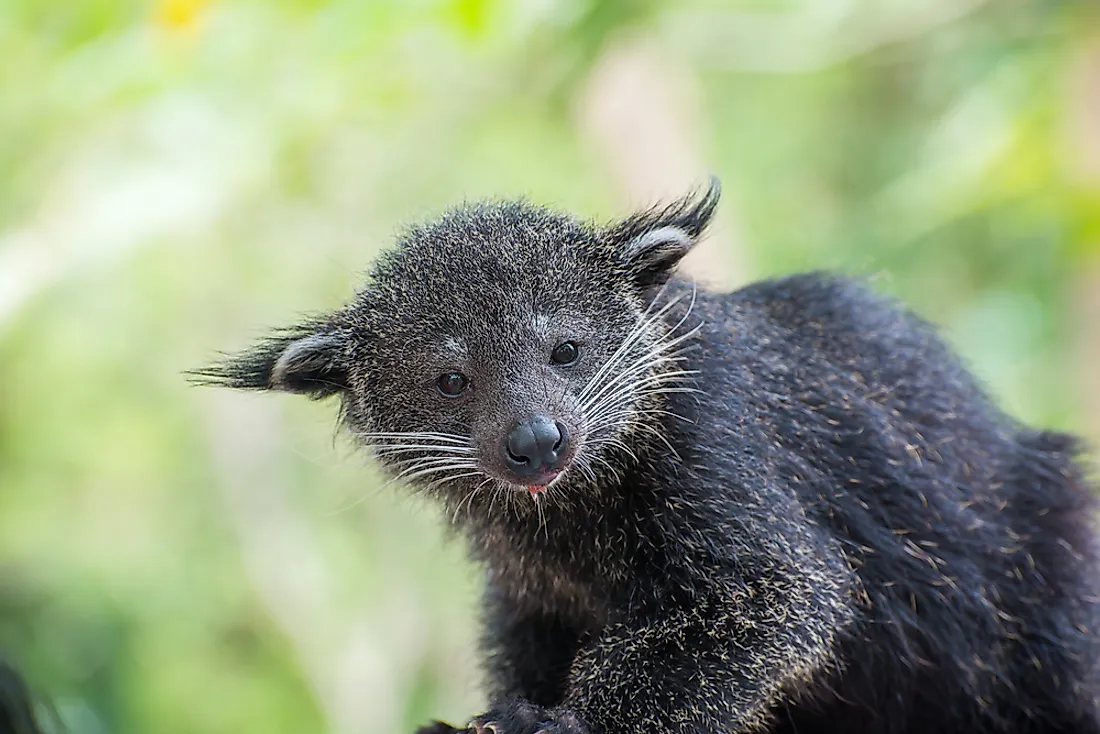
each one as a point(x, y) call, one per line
point(502, 344)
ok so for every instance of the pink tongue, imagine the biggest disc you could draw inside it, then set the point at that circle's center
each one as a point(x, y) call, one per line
point(536, 489)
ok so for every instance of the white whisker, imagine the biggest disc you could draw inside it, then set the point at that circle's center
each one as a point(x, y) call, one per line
point(633, 337)
point(643, 363)
point(433, 470)
point(389, 449)
point(468, 499)
point(450, 478)
point(427, 436)
point(621, 417)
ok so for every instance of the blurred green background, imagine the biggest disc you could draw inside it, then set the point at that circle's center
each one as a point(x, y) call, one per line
point(176, 177)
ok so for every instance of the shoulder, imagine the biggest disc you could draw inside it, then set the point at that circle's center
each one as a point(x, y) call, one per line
point(821, 339)
point(835, 319)
point(820, 300)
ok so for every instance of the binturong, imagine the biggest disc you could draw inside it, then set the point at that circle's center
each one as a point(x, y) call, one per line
point(789, 508)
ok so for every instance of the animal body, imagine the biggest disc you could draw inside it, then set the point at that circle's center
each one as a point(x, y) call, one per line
point(784, 509)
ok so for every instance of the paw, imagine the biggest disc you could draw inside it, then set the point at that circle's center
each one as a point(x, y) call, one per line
point(438, 727)
point(520, 717)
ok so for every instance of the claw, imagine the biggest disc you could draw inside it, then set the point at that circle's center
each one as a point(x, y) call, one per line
point(484, 727)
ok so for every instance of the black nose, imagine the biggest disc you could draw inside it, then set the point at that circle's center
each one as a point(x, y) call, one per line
point(536, 446)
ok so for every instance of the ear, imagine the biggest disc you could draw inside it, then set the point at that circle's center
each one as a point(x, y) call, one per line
point(652, 242)
point(310, 360)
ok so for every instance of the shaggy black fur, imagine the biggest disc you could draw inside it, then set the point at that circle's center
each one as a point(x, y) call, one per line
point(791, 509)
point(17, 708)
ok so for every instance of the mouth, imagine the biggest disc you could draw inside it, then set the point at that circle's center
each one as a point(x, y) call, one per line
point(544, 482)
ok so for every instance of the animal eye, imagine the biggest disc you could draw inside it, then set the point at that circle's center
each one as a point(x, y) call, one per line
point(565, 354)
point(452, 384)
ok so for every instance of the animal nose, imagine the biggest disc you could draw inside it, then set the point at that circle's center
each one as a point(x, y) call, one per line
point(536, 446)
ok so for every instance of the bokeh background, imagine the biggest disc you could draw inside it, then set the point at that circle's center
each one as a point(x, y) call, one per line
point(178, 176)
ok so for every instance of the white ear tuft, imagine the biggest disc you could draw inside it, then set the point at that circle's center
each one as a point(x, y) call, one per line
point(310, 364)
point(657, 244)
point(650, 243)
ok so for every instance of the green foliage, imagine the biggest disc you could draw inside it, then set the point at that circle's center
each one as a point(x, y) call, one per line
point(180, 175)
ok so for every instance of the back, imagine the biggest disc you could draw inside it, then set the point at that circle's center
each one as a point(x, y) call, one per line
point(971, 535)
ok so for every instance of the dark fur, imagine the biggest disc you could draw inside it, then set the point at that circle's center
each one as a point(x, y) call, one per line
point(17, 707)
point(833, 530)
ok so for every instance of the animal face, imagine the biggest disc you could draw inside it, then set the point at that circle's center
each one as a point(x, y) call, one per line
point(502, 344)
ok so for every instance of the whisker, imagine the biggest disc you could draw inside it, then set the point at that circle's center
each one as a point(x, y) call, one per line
point(409, 447)
point(630, 394)
point(655, 378)
point(415, 469)
point(429, 460)
point(584, 467)
point(415, 435)
point(644, 363)
point(613, 470)
point(433, 470)
point(494, 493)
point(631, 338)
point(659, 435)
point(431, 465)
point(450, 478)
point(626, 397)
point(468, 499)
point(541, 519)
point(609, 441)
point(625, 379)
point(610, 419)
point(617, 356)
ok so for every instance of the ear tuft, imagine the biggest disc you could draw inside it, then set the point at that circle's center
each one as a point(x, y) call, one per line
point(652, 242)
point(305, 360)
